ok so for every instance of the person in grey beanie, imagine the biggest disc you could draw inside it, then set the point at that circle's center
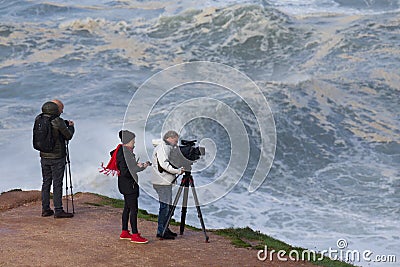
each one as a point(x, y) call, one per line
point(123, 163)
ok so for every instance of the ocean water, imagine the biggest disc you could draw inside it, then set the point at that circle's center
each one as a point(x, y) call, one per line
point(329, 70)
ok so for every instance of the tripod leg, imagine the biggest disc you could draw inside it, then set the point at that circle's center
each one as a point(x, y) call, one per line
point(196, 201)
point(70, 187)
point(184, 209)
point(66, 183)
point(172, 209)
point(70, 182)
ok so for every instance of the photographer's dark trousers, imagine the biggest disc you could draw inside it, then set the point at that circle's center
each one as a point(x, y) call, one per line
point(52, 172)
point(165, 198)
point(130, 212)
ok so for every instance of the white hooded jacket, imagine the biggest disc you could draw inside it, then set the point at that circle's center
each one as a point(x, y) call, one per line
point(161, 156)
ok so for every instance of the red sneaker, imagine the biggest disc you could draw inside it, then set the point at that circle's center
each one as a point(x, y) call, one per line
point(136, 238)
point(125, 235)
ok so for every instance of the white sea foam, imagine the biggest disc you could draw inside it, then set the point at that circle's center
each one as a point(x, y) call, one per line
point(330, 78)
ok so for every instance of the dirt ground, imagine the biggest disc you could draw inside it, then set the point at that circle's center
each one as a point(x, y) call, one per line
point(92, 238)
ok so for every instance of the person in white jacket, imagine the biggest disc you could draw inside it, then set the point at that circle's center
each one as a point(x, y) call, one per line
point(164, 175)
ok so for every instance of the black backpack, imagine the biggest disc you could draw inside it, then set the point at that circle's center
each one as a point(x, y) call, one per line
point(43, 134)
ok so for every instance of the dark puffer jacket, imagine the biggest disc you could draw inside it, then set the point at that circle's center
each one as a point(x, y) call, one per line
point(127, 165)
point(61, 132)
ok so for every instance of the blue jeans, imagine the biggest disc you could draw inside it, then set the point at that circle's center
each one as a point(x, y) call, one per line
point(52, 172)
point(165, 198)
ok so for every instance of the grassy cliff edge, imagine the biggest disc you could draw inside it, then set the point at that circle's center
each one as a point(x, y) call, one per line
point(244, 237)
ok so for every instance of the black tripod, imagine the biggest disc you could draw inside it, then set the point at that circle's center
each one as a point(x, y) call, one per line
point(68, 174)
point(187, 180)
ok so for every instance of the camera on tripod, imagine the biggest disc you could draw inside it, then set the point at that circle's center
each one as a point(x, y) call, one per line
point(187, 154)
point(184, 156)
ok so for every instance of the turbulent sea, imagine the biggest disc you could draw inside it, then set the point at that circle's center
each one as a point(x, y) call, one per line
point(330, 70)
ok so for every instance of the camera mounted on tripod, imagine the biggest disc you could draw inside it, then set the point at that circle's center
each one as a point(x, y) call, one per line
point(190, 151)
point(187, 154)
point(184, 156)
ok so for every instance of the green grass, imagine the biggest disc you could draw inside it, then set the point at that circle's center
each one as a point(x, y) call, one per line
point(248, 238)
point(240, 237)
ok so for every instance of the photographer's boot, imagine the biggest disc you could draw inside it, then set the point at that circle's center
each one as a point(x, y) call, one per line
point(171, 233)
point(167, 235)
point(47, 213)
point(125, 235)
point(63, 214)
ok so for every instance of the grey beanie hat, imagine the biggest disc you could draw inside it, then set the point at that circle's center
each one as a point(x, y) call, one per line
point(126, 136)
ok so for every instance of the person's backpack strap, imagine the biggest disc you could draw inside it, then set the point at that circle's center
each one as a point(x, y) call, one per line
point(160, 169)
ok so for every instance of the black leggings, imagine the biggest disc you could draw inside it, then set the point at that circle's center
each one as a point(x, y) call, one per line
point(130, 207)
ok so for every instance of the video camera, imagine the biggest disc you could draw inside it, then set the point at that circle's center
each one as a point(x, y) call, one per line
point(189, 151)
point(187, 154)
point(184, 155)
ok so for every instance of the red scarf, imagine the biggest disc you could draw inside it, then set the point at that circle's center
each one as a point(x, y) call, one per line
point(111, 167)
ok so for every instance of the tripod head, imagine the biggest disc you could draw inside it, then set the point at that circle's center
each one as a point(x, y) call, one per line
point(187, 173)
point(185, 176)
